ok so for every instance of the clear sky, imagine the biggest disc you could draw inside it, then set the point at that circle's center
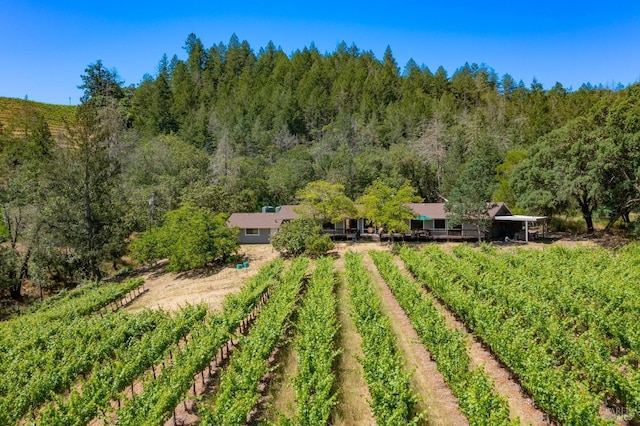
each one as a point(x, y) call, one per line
point(45, 45)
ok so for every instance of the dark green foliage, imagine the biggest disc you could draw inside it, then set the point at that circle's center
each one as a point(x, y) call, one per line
point(290, 173)
point(85, 209)
point(300, 235)
point(100, 84)
point(231, 128)
point(560, 168)
point(169, 170)
point(386, 207)
point(504, 171)
point(318, 245)
point(590, 162)
point(8, 267)
point(345, 117)
point(190, 237)
point(471, 197)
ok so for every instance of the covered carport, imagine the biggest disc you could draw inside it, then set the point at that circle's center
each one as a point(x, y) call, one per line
point(524, 222)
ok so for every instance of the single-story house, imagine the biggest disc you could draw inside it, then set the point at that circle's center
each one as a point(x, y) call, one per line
point(257, 228)
point(432, 220)
point(430, 223)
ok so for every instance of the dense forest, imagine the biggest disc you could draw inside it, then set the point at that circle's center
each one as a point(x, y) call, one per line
point(229, 128)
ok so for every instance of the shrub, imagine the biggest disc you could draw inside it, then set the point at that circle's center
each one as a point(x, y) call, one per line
point(4, 232)
point(8, 261)
point(190, 237)
point(299, 236)
point(317, 245)
point(574, 226)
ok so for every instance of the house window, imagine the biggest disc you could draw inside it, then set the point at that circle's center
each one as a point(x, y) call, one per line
point(252, 231)
point(439, 224)
point(416, 225)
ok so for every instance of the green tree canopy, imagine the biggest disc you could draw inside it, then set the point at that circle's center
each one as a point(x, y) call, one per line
point(289, 174)
point(322, 201)
point(163, 167)
point(504, 171)
point(299, 236)
point(387, 207)
point(561, 168)
point(470, 198)
point(190, 237)
point(618, 131)
point(100, 83)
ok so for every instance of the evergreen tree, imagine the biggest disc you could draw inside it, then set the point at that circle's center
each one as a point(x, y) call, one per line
point(100, 84)
point(162, 100)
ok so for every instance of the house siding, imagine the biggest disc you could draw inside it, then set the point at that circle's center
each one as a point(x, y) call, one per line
point(261, 238)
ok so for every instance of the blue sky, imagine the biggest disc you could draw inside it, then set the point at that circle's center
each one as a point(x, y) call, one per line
point(45, 46)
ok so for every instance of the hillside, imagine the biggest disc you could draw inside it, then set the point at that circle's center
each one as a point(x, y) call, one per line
point(13, 111)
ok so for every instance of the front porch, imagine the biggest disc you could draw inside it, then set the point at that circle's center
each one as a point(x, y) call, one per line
point(426, 235)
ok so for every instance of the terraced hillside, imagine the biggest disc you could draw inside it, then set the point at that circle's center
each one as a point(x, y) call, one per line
point(13, 112)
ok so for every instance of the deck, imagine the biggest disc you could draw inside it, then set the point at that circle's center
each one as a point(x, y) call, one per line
point(415, 235)
point(436, 235)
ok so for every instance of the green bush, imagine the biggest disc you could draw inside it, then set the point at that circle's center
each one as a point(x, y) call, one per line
point(299, 236)
point(317, 245)
point(145, 247)
point(190, 237)
point(575, 226)
point(4, 232)
point(8, 261)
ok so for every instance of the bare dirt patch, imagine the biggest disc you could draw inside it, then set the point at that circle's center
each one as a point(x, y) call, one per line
point(170, 290)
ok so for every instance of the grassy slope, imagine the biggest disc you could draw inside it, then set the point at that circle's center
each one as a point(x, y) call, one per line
point(12, 111)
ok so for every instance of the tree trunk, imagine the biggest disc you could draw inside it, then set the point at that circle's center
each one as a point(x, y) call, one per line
point(24, 267)
point(15, 290)
point(612, 220)
point(587, 213)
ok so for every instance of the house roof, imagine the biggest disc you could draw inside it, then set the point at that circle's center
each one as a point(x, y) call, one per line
point(432, 210)
point(286, 212)
point(499, 208)
point(262, 220)
point(437, 211)
point(274, 220)
point(519, 218)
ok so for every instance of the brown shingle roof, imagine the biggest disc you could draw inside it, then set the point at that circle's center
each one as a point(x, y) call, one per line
point(274, 220)
point(262, 220)
point(432, 210)
point(499, 208)
point(437, 211)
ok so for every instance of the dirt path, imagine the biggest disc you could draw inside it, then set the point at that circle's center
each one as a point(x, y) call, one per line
point(520, 404)
point(170, 290)
point(440, 404)
point(353, 394)
point(280, 400)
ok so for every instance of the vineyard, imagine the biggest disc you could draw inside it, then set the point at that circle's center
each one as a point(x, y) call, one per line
point(13, 112)
point(513, 336)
